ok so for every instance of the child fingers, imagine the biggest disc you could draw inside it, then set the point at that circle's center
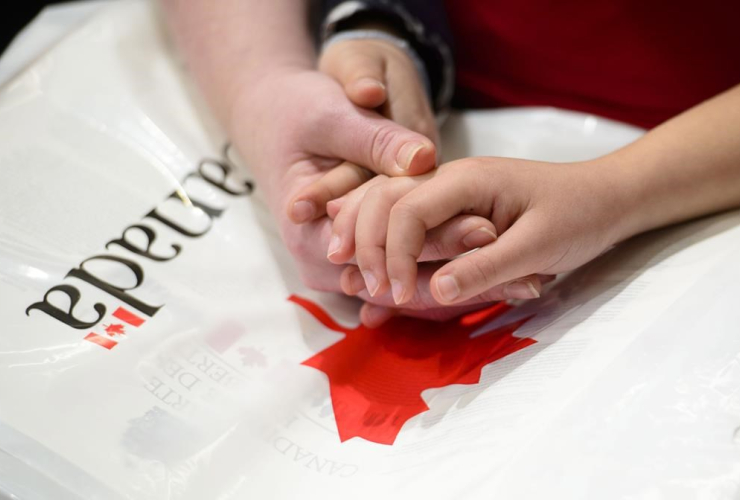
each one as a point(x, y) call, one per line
point(515, 254)
point(371, 230)
point(441, 198)
point(366, 91)
point(457, 236)
point(311, 202)
point(359, 66)
point(408, 101)
point(374, 315)
point(334, 206)
point(342, 242)
point(351, 280)
point(424, 300)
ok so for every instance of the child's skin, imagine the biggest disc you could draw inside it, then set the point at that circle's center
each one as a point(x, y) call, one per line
point(375, 74)
point(255, 64)
point(549, 218)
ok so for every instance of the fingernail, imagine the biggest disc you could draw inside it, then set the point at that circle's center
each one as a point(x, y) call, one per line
point(398, 291)
point(303, 211)
point(448, 288)
point(523, 289)
point(407, 153)
point(335, 243)
point(370, 282)
point(479, 238)
point(371, 81)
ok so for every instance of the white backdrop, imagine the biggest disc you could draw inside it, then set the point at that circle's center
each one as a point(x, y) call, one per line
point(630, 388)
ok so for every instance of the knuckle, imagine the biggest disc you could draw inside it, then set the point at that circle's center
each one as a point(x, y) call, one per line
point(436, 247)
point(403, 209)
point(344, 222)
point(398, 263)
point(376, 191)
point(365, 254)
point(419, 302)
point(383, 193)
point(481, 271)
point(380, 145)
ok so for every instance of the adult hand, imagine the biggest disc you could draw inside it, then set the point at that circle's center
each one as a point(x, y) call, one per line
point(375, 74)
point(297, 124)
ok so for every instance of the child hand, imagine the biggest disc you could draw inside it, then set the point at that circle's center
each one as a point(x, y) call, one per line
point(458, 235)
point(375, 73)
point(550, 218)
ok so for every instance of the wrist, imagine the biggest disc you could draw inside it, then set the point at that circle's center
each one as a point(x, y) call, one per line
point(629, 199)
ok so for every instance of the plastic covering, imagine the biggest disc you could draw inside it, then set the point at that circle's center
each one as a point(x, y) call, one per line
point(183, 370)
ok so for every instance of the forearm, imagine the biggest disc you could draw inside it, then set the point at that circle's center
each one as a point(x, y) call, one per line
point(685, 168)
point(229, 45)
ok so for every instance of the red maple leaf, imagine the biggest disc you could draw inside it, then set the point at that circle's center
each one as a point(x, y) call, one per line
point(252, 357)
point(376, 376)
point(114, 329)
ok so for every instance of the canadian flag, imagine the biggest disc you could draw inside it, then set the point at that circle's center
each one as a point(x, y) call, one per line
point(114, 329)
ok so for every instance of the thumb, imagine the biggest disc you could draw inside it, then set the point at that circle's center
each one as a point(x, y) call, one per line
point(359, 69)
point(367, 139)
point(518, 252)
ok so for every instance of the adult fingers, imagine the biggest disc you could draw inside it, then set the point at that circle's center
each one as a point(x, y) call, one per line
point(366, 138)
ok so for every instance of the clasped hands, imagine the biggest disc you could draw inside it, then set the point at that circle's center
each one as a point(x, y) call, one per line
point(351, 152)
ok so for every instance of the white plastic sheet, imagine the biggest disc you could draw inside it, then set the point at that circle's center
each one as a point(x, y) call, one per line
point(628, 389)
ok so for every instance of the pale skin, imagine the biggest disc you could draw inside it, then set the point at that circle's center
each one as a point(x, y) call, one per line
point(255, 64)
point(549, 218)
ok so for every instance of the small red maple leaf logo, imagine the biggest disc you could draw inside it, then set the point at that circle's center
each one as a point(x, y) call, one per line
point(114, 329)
point(252, 357)
point(376, 377)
